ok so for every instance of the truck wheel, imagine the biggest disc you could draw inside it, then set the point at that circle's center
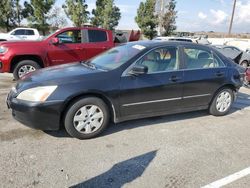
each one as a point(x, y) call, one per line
point(244, 64)
point(222, 102)
point(86, 118)
point(24, 67)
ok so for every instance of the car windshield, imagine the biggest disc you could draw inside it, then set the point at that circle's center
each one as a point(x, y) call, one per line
point(115, 57)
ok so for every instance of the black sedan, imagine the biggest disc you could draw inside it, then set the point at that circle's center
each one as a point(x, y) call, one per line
point(131, 81)
point(232, 51)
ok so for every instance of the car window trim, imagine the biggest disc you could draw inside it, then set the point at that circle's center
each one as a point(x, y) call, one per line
point(125, 73)
point(210, 50)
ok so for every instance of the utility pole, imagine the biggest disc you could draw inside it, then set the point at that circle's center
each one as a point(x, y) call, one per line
point(160, 9)
point(161, 17)
point(232, 19)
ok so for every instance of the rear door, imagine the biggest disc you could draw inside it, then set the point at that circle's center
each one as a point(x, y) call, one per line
point(69, 49)
point(158, 91)
point(97, 42)
point(204, 73)
point(29, 34)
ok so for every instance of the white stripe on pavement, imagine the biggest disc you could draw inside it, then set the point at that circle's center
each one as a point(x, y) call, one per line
point(229, 179)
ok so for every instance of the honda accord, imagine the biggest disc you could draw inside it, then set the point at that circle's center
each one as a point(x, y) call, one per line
point(131, 81)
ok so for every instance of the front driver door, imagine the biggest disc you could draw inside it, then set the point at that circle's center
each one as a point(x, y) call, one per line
point(158, 91)
point(70, 48)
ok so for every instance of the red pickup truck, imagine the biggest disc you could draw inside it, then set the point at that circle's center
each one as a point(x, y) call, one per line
point(64, 46)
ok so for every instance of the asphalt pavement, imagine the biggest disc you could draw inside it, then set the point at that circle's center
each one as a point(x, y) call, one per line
point(185, 150)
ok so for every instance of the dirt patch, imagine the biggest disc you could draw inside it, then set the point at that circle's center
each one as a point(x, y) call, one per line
point(20, 133)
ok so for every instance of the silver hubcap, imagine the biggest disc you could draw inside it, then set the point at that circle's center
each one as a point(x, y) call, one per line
point(244, 64)
point(25, 69)
point(88, 119)
point(223, 101)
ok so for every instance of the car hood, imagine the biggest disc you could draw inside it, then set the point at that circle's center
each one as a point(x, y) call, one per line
point(57, 75)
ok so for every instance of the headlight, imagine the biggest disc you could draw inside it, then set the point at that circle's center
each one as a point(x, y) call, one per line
point(37, 94)
point(3, 49)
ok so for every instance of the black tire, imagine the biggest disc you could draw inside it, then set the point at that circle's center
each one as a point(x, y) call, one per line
point(244, 64)
point(23, 63)
point(213, 109)
point(74, 109)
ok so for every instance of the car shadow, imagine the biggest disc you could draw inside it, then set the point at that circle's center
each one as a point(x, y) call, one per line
point(121, 173)
point(242, 102)
point(133, 124)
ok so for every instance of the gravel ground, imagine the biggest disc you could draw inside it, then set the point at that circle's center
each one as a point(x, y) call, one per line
point(184, 150)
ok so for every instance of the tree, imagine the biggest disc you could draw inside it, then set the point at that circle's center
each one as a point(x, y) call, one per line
point(18, 12)
point(8, 16)
point(169, 18)
point(106, 14)
point(146, 19)
point(36, 13)
point(56, 18)
point(76, 10)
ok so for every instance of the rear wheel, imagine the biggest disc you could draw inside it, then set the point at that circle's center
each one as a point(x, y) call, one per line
point(24, 67)
point(222, 102)
point(86, 118)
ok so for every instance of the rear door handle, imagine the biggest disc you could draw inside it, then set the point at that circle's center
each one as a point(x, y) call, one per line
point(219, 74)
point(174, 78)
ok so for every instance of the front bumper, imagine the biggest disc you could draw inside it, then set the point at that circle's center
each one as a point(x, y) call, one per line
point(4, 64)
point(42, 116)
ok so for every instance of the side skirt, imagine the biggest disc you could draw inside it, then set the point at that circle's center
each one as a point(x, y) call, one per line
point(162, 113)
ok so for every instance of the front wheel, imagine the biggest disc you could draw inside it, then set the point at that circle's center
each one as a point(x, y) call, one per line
point(86, 118)
point(24, 67)
point(222, 102)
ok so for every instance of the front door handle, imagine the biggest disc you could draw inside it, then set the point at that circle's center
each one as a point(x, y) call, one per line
point(174, 78)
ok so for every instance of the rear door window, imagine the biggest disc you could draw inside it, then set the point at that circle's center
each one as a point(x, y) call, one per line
point(29, 32)
point(198, 59)
point(97, 36)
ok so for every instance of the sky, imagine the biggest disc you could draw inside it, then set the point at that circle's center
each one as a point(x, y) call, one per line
point(193, 15)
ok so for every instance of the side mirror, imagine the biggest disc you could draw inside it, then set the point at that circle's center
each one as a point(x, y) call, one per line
point(138, 69)
point(55, 41)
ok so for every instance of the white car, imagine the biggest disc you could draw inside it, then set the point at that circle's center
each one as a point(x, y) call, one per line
point(20, 34)
point(242, 44)
point(183, 39)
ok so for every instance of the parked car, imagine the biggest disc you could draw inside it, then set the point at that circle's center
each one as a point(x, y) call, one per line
point(230, 50)
point(131, 81)
point(183, 39)
point(64, 46)
point(247, 77)
point(20, 34)
point(242, 44)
